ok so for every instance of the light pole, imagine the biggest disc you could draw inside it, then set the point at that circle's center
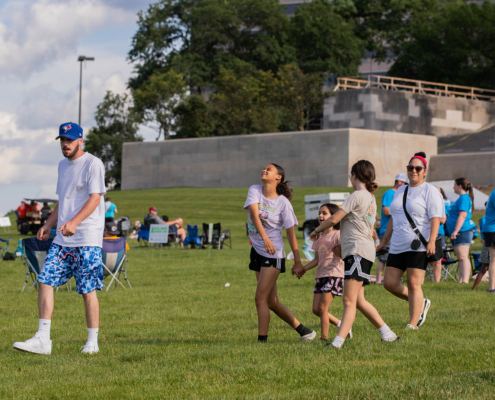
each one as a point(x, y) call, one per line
point(81, 59)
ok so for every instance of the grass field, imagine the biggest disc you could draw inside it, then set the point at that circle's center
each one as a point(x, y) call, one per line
point(182, 334)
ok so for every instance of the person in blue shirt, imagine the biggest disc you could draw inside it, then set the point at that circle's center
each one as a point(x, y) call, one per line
point(388, 196)
point(437, 265)
point(484, 258)
point(110, 210)
point(459, 226)
point(489, 235)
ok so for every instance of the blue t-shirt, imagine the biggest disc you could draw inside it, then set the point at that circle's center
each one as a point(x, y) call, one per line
point(448, 204)
point(387, 198)
point(110, 212)
point(463, 203)
point(482, 224)
point(489, 225)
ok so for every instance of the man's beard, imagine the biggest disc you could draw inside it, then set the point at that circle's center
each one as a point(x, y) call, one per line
point(74, 152)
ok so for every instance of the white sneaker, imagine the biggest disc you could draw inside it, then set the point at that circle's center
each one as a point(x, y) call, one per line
point(309, 336)
point(90, 348)
point(426, 307)
point(349, 335)
point(410, 327)
point(34, 345)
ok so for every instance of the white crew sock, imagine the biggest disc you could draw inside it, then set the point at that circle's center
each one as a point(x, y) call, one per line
point(44, 330)
point(386, 333)
point(338, 325)
point(338, 342)
point(93, 335)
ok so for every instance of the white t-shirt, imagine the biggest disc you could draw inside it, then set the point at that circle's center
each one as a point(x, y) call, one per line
point(275, 215)
point(424, 202)
point(77, 180)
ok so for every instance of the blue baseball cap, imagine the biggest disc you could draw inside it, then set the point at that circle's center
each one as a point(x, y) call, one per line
point(70, 130)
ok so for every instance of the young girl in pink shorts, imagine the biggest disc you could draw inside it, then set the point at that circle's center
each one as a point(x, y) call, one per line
point(329, 273)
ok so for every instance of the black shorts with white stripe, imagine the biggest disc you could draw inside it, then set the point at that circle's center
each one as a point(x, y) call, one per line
point(258, 261)
point(358, 268)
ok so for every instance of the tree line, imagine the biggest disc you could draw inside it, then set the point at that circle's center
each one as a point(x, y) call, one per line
point(231, 67)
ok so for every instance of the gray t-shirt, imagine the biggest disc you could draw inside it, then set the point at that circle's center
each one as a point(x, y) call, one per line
point(77, 180)
point(355, 227)
point(152, 219)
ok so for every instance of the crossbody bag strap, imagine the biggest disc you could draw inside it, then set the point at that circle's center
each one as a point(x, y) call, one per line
point(411, 221)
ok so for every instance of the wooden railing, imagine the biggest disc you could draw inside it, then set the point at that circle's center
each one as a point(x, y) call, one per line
point(415, 86)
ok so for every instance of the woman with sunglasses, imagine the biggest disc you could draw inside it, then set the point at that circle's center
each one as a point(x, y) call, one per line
point(357, 217)
point(424, 205)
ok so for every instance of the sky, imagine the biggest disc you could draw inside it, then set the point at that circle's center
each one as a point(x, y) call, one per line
point(40, 41)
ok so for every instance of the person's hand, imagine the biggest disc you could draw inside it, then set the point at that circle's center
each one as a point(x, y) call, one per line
point(314, 236)
point(44, 233)
point(431, 249)
point(269, 247)
point(301, 273)
point(68, 228)
point(337, 250)
point(454, 235)
point(297, 268)
point(381, 246)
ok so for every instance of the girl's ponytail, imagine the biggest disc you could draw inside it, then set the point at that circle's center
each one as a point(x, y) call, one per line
point(283, 188)
point(468, 187)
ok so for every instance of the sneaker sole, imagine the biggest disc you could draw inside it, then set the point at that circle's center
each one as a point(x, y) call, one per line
point(33, 351)
point(425, 311)
point(308, 337)
point(397, 340)
point(349, 335)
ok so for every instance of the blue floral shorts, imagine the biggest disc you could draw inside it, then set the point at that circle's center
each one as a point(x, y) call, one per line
point(84, 263)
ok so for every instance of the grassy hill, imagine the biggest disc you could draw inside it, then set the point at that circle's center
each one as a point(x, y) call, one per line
point(181, 333)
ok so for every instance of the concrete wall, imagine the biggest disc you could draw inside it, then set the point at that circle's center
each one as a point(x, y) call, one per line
point(477, 168)
point(312, 158)
point(406, 112)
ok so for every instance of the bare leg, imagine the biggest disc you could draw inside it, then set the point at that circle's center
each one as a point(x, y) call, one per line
point(179, 223)
point(462, 254)
point(436, 266)
point(482, 273)
point(351, 292)
point(321, 302)
point(92, 309)
point(181, 232)
point(379, 270)
point(267, 299)
point(368, 310)
point(491, 269)
point(393, 285)
point(414, 279)
point(45, 301)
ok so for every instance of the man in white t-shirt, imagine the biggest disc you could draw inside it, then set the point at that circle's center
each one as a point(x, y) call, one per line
point(76, 250)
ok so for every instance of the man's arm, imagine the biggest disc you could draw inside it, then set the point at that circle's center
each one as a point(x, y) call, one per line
point(69, 228)
point(44, 232)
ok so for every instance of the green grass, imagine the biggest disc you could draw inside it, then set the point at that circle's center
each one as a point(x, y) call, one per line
point(182, 334)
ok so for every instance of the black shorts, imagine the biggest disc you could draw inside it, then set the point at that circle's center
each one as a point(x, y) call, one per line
point(408, 259)
point(489, 239)
point(258, 261)
point(109, 219)
point(358, 268)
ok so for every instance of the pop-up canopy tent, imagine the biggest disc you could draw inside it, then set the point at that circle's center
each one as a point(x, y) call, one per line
point(42, 200)
point(448, 187)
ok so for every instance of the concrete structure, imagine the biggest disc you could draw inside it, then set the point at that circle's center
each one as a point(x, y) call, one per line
point(311, 158)
point(477, 168)
point(483, 140)
point(402, 111)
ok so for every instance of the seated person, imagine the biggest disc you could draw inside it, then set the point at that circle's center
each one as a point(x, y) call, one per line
point(46, 208)
point(135, 231)
point(153, 218)
point(112, 232)
point(22, 209)
point(35, 206)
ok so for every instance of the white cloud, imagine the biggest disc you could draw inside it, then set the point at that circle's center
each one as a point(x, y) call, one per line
point(41, 32)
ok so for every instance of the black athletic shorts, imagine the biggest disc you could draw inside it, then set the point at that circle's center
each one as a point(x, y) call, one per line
point(258, 261)
point(358, 268)
point(408, 259)
point(489, 239)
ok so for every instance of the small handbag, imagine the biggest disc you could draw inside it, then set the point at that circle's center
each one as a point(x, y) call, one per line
point(416, 243)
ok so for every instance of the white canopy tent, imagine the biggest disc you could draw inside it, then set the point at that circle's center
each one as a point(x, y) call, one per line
point(480, 198)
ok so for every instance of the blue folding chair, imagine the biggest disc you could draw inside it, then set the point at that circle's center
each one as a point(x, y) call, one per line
point(3, 250)
point(114, 256)
point(192, 236)
point(144, 235)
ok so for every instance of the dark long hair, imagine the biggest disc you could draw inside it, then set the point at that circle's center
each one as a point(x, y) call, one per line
point(333, 208)
point(468, 187)
point(283, 188)
point(365, 172)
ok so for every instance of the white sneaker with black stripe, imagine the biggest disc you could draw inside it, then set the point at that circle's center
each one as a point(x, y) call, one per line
point(308, 337)
point(426, 307)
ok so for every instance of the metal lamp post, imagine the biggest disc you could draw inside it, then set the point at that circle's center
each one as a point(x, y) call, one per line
point(81, 59)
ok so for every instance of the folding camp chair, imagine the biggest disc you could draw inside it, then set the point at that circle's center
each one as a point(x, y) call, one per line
point(144, 235)
point(192, 237)
point(114, 255)
point(4, 249)
point(35, 252)
point(450, 266)
point(475, 263)
point(219, 238)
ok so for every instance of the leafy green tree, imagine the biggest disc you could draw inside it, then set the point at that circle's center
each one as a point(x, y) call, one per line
point(115, 125)
point(194, 118)
point(324, 40)
point(156, 99)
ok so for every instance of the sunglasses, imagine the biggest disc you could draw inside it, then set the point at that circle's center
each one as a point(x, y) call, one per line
point(411, 168)
point(350, 174)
